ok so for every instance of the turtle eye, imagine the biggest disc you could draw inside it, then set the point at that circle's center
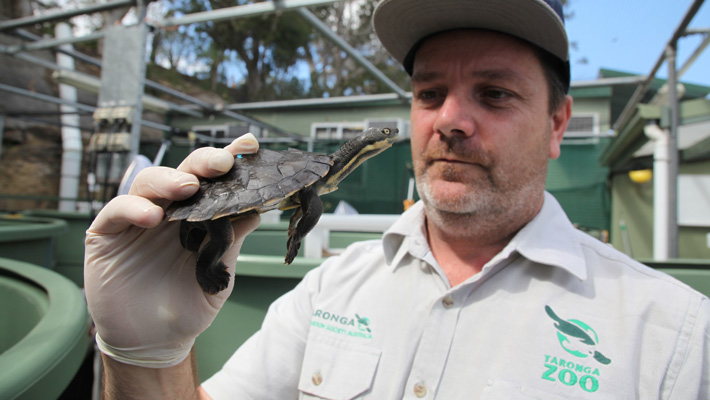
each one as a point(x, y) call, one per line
point(386, 131)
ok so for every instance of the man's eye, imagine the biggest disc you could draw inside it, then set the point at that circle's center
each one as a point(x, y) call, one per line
point(496, 94)
point(427, 95)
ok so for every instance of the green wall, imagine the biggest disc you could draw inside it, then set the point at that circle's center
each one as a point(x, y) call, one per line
point(632, 204)
point(579, 183)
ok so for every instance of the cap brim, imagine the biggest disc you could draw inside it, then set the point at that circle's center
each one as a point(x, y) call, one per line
point(400, 24)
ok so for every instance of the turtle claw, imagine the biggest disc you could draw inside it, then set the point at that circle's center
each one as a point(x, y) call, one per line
point(215, 280)
point(293, 246)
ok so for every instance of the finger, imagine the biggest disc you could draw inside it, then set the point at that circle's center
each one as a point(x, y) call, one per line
point(211, 162)
point(242, 227)
point(207, 162)
point(125, 211)
point(164, 183)
point(245, 225)
point(245, 144)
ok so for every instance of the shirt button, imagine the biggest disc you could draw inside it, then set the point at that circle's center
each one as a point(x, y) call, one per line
point(317, 378)
point(420, 390)
point(448, 302)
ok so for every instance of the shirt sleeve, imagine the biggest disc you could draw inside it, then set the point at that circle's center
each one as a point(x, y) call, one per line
point(268, 365)
point(692, 374)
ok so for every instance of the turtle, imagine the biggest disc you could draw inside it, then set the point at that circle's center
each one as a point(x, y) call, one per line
point(264, 181)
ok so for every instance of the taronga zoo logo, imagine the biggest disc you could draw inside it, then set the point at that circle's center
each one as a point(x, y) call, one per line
point(342, 324)
point(577, 338)
point(580, 340)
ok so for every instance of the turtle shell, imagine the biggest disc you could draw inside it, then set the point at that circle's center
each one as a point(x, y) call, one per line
point(257, 182)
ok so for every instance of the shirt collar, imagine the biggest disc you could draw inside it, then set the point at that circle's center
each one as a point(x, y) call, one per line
point(550, 239)
point(547, 239)
point(406, 235)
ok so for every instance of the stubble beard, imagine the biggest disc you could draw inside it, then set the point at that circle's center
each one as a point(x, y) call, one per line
point(496, 204)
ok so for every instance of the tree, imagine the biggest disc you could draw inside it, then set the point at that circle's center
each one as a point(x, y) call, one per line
point(271, 52)
point(332, 72)
point(265, 46)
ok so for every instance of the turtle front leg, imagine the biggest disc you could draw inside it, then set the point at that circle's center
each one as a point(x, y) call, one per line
point(211, 272)
point(310, 211)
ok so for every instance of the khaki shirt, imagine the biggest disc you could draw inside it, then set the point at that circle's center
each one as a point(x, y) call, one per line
point(555, 315)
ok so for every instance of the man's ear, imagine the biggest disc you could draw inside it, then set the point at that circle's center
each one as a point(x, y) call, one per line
point(559, 125)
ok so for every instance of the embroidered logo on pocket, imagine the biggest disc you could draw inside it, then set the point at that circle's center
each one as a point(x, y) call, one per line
point(342, 324)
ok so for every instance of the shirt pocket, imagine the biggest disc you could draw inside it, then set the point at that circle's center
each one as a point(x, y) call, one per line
point(502, 390)
point(336, 369)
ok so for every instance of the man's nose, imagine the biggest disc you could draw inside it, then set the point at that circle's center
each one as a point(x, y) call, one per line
point(455, 117)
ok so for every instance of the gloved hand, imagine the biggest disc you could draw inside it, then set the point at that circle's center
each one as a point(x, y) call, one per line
point(140, 283)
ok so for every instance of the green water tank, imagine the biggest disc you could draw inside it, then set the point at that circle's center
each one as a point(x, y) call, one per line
point(44, 334)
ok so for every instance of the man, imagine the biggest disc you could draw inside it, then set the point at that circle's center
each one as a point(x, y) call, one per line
point(481, 290)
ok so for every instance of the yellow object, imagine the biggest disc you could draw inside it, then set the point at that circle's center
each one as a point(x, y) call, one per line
point(408, 203)
point(641, 176)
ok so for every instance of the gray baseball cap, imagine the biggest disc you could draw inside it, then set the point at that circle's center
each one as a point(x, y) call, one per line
point(402, 25)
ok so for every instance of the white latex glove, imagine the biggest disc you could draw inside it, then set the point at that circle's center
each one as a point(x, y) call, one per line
point(140, 283)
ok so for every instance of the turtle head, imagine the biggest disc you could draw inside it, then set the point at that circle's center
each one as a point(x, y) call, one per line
point(367, 144)
point(353, 153)
point(375, 138)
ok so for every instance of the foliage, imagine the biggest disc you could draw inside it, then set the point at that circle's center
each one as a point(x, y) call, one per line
point(279, 55)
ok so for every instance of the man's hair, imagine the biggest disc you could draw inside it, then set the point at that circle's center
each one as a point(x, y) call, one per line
point(553, 69)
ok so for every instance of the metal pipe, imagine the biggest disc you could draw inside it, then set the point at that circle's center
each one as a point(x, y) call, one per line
point(672, 192)
point(696, 31)
point(44, 97)
point(83, 107)
point(661, 178)
point(245, 10)
point(699, 50)
point(66, 14)
point(345, 100)
point(328, 33)
point(87, 83)
point(252, 121)
point(92, 84)
point(27, 35)
point(93, 61)
point(643, 89)
point(49, 43)
point(32, 59)
point(621, 81)
point(72, 147)
point(2, 129)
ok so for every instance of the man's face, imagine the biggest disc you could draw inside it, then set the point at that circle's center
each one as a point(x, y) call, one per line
point(481, 129)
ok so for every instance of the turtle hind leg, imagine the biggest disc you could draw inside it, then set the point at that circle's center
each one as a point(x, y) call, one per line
point(211, 272)
point(191, 235)
point(309, 212)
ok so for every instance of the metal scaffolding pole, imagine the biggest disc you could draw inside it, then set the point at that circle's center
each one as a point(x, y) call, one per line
point(45, 97)
point(66, 14)
point(49, 43)
point(154, 85)
point(672, 203)
point(325, 30)
point(23, 34)
point(643, 89)
point(83, 107)
point(246, 10)
point(699, 50)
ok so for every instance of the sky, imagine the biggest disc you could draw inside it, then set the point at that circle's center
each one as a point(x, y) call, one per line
point(630, 36)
